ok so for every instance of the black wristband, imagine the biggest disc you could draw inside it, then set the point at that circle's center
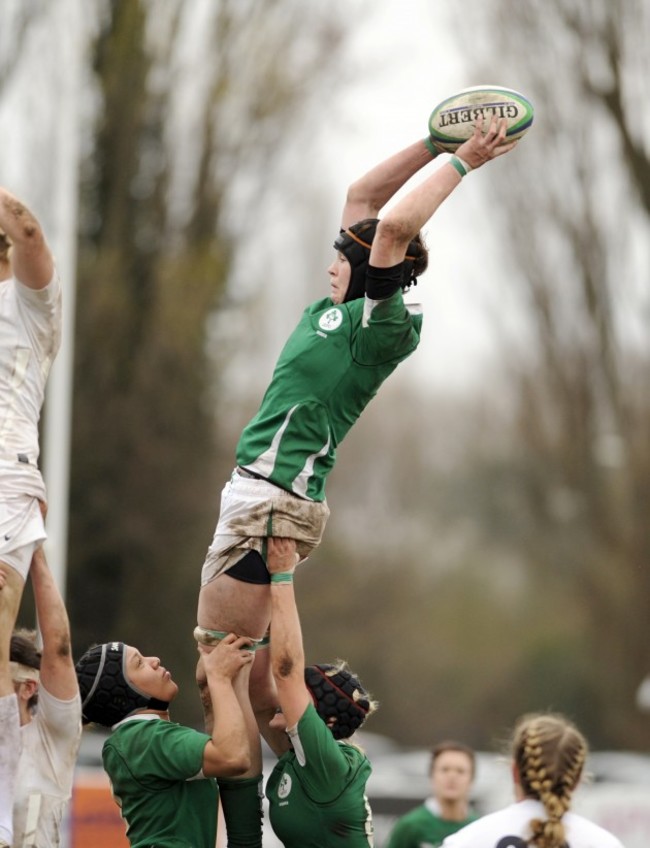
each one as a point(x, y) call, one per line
point(382, 283)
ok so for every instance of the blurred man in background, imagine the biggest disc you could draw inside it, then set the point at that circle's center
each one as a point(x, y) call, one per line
point(452, 772)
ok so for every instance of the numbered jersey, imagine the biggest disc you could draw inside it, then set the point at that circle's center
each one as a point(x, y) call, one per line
point(510, 828)
point(317, 791)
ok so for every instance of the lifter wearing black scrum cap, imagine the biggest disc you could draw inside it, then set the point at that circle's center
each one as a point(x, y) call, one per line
point(162, 774)
point(317, 791)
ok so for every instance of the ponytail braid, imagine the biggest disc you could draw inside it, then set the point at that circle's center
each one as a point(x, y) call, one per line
point(550, 753)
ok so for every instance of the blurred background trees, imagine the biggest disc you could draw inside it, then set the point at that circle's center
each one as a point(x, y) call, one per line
point(488, 552)
point(575, 220)
point(193, 115)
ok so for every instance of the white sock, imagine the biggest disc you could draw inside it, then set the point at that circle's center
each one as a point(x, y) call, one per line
point(10, 741)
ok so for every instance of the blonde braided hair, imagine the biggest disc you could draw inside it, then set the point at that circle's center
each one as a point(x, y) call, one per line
point(549, 752)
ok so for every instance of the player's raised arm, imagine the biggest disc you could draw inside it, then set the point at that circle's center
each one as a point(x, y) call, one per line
point(58, 674)
point(228, 752)
point(401, 223)
point(287, 652)
point(31, 260)
point(370, 193)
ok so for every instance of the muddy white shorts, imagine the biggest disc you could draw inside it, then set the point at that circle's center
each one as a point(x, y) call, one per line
point(252, 510)
point(21, 531)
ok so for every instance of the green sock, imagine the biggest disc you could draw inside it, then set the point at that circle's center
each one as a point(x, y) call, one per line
point(241, 800)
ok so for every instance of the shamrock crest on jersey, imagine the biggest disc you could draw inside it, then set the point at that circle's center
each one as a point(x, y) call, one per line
point(331, 320)
point(285, 786)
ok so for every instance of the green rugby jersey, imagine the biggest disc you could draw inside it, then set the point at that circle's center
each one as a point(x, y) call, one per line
point(321, 804)
point(422, 828)
point(151, 764)
point(328, 371)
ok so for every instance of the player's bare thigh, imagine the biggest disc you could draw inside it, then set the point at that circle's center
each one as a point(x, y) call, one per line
point(233, 606)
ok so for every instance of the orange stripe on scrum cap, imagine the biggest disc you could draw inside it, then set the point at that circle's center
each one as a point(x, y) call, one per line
point(365, 244)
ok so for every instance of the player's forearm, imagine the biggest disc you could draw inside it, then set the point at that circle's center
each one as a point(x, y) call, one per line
point(17, 221)
point(229, 729)
point(411, 213)
point(287, 652)
point(375, 188)
point(31, 258)
point(52, 615)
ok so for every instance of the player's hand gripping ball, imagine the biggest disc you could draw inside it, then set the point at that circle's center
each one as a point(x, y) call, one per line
point(452, 121)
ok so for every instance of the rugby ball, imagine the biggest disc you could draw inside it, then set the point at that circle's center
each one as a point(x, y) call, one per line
point(452, 121)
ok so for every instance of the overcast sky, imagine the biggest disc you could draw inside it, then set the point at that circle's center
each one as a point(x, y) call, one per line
point(409, 62)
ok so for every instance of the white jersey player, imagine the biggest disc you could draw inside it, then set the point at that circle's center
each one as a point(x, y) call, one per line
point(50, 715)
point(30, 332)
point(548, 754)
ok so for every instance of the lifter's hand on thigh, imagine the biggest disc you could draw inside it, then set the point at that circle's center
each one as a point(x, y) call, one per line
point(228, 657)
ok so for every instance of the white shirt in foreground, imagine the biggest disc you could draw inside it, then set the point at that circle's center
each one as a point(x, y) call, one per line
point(509, 828)
point(50, 743)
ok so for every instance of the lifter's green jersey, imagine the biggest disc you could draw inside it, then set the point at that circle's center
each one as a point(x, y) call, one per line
point(153, 766)
point(330, 368)
point(321, 804)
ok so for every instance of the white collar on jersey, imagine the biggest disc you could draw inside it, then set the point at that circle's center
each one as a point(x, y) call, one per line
point(136, 717)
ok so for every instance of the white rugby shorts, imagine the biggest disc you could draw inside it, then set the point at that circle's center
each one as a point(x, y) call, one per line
point(251, 511)
point(21, 531)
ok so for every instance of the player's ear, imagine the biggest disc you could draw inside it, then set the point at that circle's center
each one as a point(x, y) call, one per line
point(27, 689)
